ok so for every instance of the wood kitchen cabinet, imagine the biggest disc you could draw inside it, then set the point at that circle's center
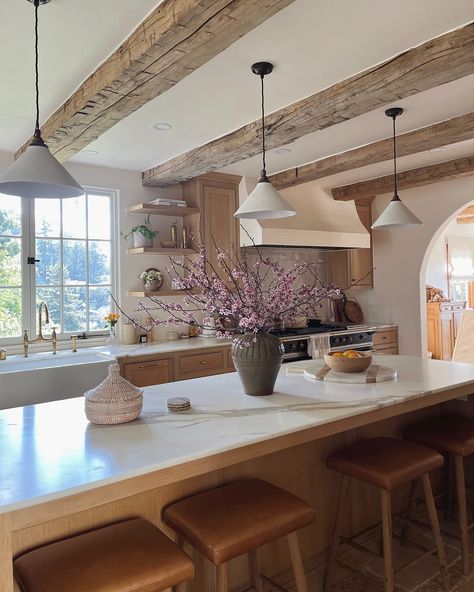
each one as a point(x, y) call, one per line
point(148, 371)
point(216, 196)
point(160, 368)
point(355, 265)
point(443, 320)
point(385, 341)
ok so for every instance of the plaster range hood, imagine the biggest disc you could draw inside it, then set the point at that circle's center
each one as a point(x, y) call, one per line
point(320, 222)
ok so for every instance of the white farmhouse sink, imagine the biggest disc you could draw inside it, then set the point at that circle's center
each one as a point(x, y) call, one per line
point(46, 377)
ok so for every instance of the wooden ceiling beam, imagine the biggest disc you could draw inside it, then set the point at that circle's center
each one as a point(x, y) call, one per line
point(440, 134)
point(438, 61)
point(178, 37)
point(434, 173)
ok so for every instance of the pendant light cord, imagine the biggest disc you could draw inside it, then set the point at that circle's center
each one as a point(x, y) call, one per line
point(37, 127)
point(395, 173)
point(263, 174)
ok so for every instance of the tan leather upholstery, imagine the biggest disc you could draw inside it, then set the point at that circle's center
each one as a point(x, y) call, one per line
point(448, 433)
point(234, 519)
point(385, 462)
point(132, 556)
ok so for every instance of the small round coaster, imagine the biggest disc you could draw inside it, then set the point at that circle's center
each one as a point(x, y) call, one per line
point(178, 403)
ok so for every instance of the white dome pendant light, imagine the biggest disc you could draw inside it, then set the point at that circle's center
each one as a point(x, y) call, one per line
point(264, 202)
point(396, 214)
point(37, 173)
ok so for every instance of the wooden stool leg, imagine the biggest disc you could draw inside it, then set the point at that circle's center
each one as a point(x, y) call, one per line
point(387, 538)
point(433, 516)
point(255, 578)
point(411, 509)
point(297, 562)
point(462, 512)
point(449, 503)
point(328, 580)
point(186, 547)
point(222, 580)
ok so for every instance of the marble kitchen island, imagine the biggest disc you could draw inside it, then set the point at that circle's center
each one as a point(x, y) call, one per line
point(59, 474)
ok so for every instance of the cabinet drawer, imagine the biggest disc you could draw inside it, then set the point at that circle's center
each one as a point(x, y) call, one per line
point(196, 364)
point(149, 372)
point(384, 337)
point(393, 349)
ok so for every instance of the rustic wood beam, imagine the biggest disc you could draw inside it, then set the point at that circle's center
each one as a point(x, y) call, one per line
point(178, 37)
point(446, 132)
point(434, 173)
point(438, 61)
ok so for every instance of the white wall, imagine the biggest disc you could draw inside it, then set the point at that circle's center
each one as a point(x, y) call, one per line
point(400, 259)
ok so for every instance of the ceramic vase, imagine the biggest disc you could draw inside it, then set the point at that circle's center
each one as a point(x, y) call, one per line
point(257, 358)
point(152, 286)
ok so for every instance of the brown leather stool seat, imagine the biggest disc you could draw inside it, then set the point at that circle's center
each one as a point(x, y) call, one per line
point(385, 462)
point(453, 434)
point(237, 518)
point(131, 556)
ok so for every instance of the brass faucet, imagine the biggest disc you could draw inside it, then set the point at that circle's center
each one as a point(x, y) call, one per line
point(26, 342)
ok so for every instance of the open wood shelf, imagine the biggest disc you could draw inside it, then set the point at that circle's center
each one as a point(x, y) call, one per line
point(147, 208)
point(138, 294)
point(157, 251)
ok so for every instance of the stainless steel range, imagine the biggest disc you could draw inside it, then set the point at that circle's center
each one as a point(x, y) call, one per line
point(341, 338)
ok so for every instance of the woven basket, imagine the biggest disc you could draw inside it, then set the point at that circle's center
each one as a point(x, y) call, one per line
point(114, 401)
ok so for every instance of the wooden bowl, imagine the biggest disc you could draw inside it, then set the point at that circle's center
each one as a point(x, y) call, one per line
point(341, 364)
point(167, 244)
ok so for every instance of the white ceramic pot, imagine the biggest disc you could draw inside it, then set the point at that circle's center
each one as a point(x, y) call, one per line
point(141, 241)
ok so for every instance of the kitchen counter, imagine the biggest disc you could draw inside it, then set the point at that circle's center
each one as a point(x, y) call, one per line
point(55, 464)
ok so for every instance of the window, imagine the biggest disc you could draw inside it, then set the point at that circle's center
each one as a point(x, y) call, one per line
point(72, 241)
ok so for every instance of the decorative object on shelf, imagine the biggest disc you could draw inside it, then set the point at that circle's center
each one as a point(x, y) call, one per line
point(264, 202)
point(37, 173)
point(396, 214)
point(193, 330)
point(185, 237)
point(167, 244)
point(143, 234)
point(164, 201)
point(112, 320)
point(435, 295)
point(143, 338)
point(114, 401)
point(3, 354)
point(174, 235)
point(152, 279)
point(253, 294)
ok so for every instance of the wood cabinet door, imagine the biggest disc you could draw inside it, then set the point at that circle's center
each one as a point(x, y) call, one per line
point(149, 373)
point(360, 260)
point(219, 227)
point(446, 322)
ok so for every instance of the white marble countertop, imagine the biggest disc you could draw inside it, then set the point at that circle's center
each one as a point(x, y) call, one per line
point(49, 450)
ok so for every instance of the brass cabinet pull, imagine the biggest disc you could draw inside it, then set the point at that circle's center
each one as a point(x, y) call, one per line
point(203, 362)
point(150, 365)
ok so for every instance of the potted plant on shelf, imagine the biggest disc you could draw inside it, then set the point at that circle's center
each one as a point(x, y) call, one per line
point(152, 279)
point(255, 292)
point(143, 234)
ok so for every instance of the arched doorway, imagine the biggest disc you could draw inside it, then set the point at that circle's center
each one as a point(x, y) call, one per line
point(448, 268)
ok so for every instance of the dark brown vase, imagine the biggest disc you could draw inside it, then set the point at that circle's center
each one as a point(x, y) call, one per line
point(257, 358)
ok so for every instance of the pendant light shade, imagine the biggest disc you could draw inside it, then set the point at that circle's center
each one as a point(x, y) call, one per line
point(396, 214)
point(36, 173)
point(264, 202)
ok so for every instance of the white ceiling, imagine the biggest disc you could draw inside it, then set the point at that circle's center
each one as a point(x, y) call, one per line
point(313, 44)
point(75, 37)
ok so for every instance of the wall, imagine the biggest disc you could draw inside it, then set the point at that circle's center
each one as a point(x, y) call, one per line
point(401, 259)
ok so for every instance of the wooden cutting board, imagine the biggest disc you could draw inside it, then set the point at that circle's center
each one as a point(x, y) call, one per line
point(353, 312)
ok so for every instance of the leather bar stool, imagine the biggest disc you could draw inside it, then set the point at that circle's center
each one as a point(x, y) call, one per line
point(453, 436)
point(385, 463)
point(236, 519)
point(131, 556)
